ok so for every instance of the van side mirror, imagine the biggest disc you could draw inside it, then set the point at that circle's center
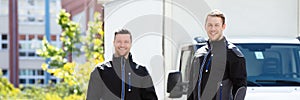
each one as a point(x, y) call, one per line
point(174, 85)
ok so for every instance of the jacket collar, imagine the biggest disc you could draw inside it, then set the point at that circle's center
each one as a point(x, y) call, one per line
point(223, 39)
point(119, 58)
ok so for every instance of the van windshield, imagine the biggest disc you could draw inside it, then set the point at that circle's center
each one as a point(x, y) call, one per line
point(272, 64)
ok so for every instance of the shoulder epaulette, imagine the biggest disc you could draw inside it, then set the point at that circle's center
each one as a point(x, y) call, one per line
point(235, 49)
point(201, 51)
point(139, 66)
point(103, 65)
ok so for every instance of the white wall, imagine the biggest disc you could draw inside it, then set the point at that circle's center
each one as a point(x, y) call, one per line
point(143, 18)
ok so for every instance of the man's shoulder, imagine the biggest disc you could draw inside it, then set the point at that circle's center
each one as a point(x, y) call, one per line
point(137, 66)
point(104, 65)
point(140, 69)
point(201, 51)
point(235, 49)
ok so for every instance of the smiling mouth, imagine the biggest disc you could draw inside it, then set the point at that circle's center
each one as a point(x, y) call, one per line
point(213, 34)
point(122, 49)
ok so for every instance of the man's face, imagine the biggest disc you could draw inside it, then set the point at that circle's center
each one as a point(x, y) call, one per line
point(122, 45)
point(214, 28)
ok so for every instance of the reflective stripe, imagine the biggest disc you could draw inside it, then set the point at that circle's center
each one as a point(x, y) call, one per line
point(200, 74)
point(208, 63)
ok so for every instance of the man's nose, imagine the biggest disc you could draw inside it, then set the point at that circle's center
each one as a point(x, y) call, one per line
point(122, 44)
point(213, 28)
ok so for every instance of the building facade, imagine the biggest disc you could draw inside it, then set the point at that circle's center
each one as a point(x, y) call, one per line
point(31, 21)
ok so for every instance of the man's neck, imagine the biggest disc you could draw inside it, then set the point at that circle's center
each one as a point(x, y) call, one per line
point(220, 39)
point(117, 56)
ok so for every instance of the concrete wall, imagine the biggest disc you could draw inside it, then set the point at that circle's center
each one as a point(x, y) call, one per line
point(24, 63)
point(4, 24)
point(4, 62)
point(31, 63)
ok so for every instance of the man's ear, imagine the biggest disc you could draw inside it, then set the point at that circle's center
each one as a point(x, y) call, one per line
point(223, 26)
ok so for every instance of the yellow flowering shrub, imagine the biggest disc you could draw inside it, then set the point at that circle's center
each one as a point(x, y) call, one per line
point(7, 89)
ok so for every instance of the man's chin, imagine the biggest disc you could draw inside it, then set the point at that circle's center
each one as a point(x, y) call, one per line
point(123, 55)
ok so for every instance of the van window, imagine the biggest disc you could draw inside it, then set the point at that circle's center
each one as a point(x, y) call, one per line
point(184, 64)
point(272, 64)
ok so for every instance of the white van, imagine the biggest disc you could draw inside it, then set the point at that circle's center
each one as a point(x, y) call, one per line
point(273, 68)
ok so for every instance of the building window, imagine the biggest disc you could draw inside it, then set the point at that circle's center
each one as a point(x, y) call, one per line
point(31, 72)
point(22, 54)
point(33, 11)
point(28, 43)
point(54, 80)
point(23, 72)
point(3, 42)
point(34, 76)
point(22, 81)
point(40, 81)
point(40, 72)
point(4, 72)
point(31, 81)
point(27, 72)
point(31, 54)
point(4, 37)
point(4, 46)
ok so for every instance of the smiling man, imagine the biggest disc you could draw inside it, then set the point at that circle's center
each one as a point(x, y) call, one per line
point(121, 78)
point(218, 68)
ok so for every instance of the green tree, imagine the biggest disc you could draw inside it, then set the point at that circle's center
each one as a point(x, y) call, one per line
point(75, 76)
point(93, 42)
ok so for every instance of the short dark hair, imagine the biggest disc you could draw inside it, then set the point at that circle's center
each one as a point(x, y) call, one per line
point(216, 13)
point(123, 31)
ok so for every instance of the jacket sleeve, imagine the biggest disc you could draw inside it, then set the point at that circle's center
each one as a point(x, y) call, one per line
point(238, 75)
point(191, 85)
point(148, 90)
point(193, 78)
point(95, 86)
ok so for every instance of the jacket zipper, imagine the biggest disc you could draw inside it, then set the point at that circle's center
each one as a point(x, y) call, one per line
point(129, 82)
point(221, 88)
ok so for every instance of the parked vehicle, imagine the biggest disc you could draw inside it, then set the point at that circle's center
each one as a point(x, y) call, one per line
point(273, 68)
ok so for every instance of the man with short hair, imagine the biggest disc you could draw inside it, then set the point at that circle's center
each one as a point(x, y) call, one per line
point(218, 69)
point(121, 78)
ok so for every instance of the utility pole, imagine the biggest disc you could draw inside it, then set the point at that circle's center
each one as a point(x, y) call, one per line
point(13, 43)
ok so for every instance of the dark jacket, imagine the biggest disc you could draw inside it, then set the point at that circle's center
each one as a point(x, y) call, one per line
point(233, 79)
point(106, 81)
